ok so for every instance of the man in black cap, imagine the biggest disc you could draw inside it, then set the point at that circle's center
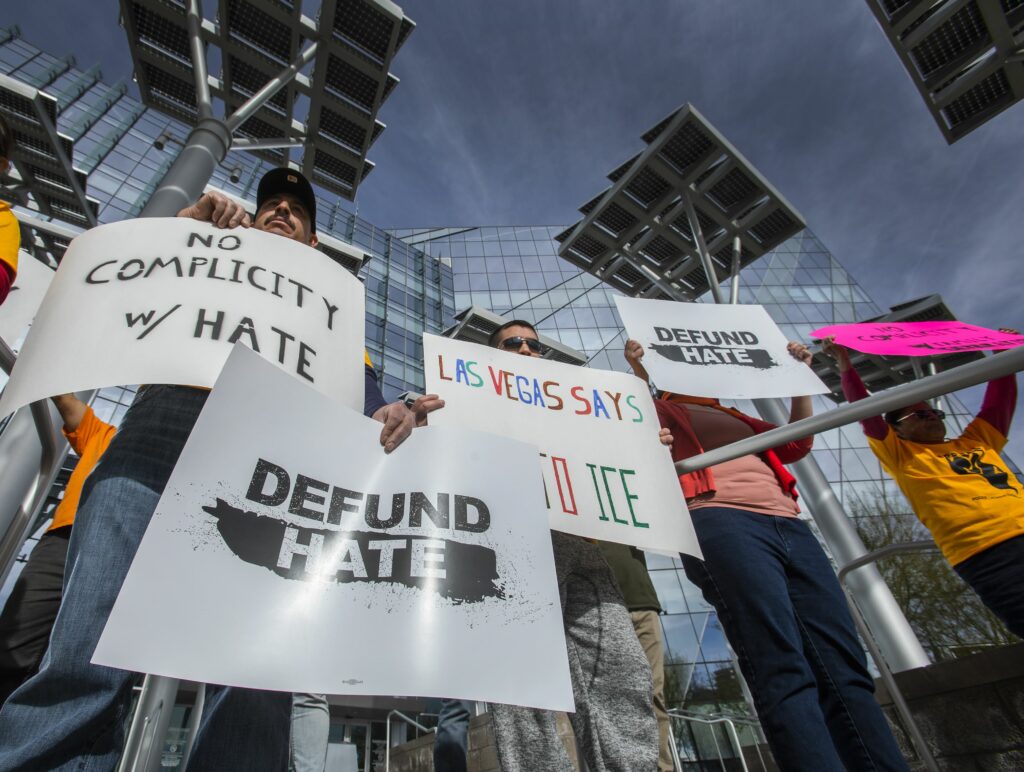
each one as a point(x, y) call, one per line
point(72, 714)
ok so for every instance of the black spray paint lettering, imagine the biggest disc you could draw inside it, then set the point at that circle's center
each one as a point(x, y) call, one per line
point(288, 351)
point(716, 355)
point(464, 573)
point(271, 485)
point(230, 270)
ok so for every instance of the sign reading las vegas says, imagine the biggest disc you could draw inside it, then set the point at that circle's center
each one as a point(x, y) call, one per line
point(917, 339)
point(606, 475)
point(725, 351)
point(312, 561)
point(162, 300)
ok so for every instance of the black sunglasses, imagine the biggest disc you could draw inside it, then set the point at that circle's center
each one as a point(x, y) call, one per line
point(940, 414)
point(513, 344)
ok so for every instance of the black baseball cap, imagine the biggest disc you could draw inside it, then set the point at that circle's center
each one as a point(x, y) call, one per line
point(285, 180)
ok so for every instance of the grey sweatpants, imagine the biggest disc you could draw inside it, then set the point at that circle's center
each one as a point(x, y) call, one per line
point(611, 679)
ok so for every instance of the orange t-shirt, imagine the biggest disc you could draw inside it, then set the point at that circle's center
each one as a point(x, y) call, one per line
point(960, 489)
point(10, 239)
point(89, 441)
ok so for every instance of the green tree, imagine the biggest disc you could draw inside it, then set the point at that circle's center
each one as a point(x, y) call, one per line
point(947, 616)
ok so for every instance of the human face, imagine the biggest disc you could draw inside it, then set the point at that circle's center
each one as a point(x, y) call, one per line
point(914, 427)
point(516, 331)
point(285, 215)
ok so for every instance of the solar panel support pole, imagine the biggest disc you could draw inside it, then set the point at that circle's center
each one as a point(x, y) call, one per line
point(734, 283)
point(895, 637)
point(183, 184)
point(272, 86)
point(204, 104)
point(702, 248)
point(244, 143)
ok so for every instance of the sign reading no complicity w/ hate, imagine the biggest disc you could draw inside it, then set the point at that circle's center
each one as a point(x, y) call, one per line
point(162, 300)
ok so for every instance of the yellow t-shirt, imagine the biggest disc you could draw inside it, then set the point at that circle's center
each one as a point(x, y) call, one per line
point(960, 489)
point(10, 239)
point(89, 441)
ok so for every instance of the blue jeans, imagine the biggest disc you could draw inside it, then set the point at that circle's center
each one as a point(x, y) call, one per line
point(310, 733)
point(71, 715)
point(450, 740)
point(997, 575)
point(787, 620)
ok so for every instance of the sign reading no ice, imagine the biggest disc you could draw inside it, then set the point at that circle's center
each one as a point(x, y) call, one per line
point(724, 351)
point(162, 300)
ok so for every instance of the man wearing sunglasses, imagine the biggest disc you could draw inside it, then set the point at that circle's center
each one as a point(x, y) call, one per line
point(614, 720)
point(959, 487)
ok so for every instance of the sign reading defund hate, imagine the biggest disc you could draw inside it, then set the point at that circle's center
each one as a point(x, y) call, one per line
point(724, 351)
point(606, 475)
point(310, 561)
point(162, 300)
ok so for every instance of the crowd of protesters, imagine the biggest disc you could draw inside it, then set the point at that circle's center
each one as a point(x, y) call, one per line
point(763, 571)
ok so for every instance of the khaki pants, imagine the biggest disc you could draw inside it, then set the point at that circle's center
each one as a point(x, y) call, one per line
point(648, 631)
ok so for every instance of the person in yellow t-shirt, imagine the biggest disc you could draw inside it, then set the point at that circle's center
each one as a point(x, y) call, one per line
point(959, 487)
point(10, 234)
point(31, 609)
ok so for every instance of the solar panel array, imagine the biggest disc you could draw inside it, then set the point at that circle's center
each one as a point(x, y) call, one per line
point(335, 106)
point(42, 156)
point(966, 57)
point(636, 234)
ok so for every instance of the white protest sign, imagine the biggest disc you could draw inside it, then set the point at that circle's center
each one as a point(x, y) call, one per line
point(606, 475)
point(26, 294)
point(162, 300)
point(724, 351)
point(310, 561)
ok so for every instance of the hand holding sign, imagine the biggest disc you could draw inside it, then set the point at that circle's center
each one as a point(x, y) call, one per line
point(919, 339)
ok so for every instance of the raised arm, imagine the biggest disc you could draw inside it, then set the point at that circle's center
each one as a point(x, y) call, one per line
point(72, 410)
point(853, 387)
point(634, 353)
point(1000, 399)
point(800, 407)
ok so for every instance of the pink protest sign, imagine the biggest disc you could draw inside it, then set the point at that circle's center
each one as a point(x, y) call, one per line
point(917, 339)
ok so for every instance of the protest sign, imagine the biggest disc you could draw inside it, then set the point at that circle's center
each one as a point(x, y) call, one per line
point(606, 475)
point(310, 561)
point(724, 351)
point(26, 294)
point(917, 339)
point(162, 300)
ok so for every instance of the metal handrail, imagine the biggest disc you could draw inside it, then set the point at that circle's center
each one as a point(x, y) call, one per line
point(387, 734)
point(954, 379)
point(50, 458)
point(885, 672)
point(730, 724)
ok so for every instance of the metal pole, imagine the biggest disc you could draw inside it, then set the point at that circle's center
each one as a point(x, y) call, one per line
point(882, 613)
point(183, 184)
point(932, 370)
point(195, 44)
point(244, 143)
point(148, 730)
point(702, 248)
point(987, 369)
point(283, 78)
point(734, 285)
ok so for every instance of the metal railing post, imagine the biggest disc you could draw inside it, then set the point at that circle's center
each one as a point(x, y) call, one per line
point(867, 635)
point(149, 725)
point(387, 734)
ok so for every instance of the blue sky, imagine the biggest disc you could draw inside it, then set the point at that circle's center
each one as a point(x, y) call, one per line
point(513, 112)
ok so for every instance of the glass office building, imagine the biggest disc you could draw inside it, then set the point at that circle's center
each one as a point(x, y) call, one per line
point(418, 278)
